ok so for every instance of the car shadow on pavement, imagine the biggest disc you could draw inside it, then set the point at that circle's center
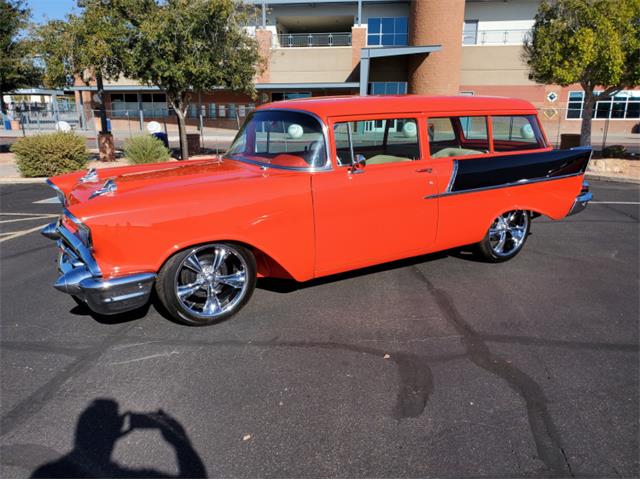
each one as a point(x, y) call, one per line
point(99, 428)
point(137, 314)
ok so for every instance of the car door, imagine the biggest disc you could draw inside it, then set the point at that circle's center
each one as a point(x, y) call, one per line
point(378, 212)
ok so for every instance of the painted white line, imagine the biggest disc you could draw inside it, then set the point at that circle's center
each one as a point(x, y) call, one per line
point(32, 214)
point(21, 233)
point(40, 217)
point(617, 203)
point(49, 200)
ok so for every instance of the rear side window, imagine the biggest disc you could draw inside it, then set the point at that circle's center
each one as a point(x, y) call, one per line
point(516, 132)
point(457, 136)
point(379, 141)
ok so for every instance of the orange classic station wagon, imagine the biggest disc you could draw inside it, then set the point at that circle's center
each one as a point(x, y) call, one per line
point(311, 188)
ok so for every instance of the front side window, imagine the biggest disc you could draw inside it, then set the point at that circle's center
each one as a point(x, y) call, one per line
point(458, 136)
point(516, 132)
point(379, 141)
point(281, 139)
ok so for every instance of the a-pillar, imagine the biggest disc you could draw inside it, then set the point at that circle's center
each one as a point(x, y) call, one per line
point(433, 22)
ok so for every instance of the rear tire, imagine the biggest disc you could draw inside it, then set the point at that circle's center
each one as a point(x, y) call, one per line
point(506, 236)
point(207, 284)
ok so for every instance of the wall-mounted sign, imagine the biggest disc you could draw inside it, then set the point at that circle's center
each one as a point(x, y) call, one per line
point(552, 96)
point(550, 113)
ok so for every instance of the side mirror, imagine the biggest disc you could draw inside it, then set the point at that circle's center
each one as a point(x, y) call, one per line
point(358, 164)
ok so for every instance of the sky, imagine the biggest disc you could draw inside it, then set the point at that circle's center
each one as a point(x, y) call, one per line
point(43, 10)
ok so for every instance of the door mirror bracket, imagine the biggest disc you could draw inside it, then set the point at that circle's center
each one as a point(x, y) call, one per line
point(358, 164)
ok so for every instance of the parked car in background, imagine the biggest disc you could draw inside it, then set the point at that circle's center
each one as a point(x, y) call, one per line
point(311, 188)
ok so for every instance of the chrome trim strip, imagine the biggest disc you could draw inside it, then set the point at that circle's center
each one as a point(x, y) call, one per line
point(60, 194)
point(80, 225)
point(108, 187)
point(453, 176)
point(506, 185)
point(325, 133)
point(91, 176)
point(80, 249)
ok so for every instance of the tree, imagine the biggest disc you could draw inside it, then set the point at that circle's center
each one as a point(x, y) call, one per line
point(91, 45)
point(595, 43)
point(17, 68)
point(187, 46)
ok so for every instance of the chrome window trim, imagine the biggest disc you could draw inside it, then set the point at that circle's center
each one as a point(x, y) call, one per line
point(60, 194)
point(454, 172)
point(325, 134)
point(504, 185)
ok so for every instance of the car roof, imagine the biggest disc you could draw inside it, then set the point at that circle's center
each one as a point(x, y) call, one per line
point(356, 105)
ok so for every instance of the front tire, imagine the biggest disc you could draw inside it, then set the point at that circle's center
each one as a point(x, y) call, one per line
point(207, 284)
point(506, 236)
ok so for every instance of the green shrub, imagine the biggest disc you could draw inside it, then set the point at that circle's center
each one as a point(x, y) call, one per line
point(614, 151)
point(145, 149)
point(50, 154)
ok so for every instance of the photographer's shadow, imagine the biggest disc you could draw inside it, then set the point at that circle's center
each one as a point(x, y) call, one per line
point(100, 426)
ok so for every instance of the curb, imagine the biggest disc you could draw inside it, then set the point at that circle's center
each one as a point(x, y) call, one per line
point(610, 178)
point(10, 180)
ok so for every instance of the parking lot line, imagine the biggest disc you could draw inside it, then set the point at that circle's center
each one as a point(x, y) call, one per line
point(12, 235)
point(38, 217)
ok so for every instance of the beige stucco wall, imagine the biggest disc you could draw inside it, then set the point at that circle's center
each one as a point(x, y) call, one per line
point(315, 64)
point(493, 65)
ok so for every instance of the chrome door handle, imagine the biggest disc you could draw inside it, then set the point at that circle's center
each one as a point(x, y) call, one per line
point(425, 170)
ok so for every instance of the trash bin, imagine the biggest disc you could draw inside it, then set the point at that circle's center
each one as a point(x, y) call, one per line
point(162, 137)
point(193, 143)
point(7, 122)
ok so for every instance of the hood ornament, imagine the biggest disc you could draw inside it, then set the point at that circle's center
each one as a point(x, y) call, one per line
point(108, 187)
point(90, 176)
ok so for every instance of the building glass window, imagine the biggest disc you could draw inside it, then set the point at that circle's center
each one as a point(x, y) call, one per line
point(625, 105)
point(388, 31)
point(278, 96)
point(470, 32)
point(387, 88)
point(126, 104)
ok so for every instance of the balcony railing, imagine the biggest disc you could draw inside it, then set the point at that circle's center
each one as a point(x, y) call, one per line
point(331, 39)
point(495, 37)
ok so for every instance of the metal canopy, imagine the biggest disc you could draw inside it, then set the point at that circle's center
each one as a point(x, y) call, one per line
point(366, 54)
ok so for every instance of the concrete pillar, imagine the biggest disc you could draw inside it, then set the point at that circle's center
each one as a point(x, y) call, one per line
point(436, 22)
point(264, 38)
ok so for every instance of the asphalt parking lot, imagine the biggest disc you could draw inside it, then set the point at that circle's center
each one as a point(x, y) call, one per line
point(438, 366)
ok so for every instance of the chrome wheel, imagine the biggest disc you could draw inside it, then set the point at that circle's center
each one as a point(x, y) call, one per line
point(508, 232)
point(211, 280)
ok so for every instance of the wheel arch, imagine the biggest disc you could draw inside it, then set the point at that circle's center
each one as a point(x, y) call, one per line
point(266, 264)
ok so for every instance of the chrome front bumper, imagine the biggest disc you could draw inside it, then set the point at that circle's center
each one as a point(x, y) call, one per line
point(581, 200)
point(82, 278)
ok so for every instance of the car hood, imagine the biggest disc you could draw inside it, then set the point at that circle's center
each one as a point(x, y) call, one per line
point(121, 181)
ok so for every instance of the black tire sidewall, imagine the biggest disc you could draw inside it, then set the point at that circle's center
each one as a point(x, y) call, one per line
point(487, 253)
point(165, 287)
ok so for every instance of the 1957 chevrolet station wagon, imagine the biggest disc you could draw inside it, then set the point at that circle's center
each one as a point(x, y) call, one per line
point(311, 188)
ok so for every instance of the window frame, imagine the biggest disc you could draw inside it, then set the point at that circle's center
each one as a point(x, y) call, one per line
point(417, 116)
point(459, 132)
point(379, 34)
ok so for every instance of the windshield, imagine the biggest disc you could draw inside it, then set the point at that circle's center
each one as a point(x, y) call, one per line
point(281, 139)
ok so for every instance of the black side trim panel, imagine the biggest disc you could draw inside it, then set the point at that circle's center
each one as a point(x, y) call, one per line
point(487, 172)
